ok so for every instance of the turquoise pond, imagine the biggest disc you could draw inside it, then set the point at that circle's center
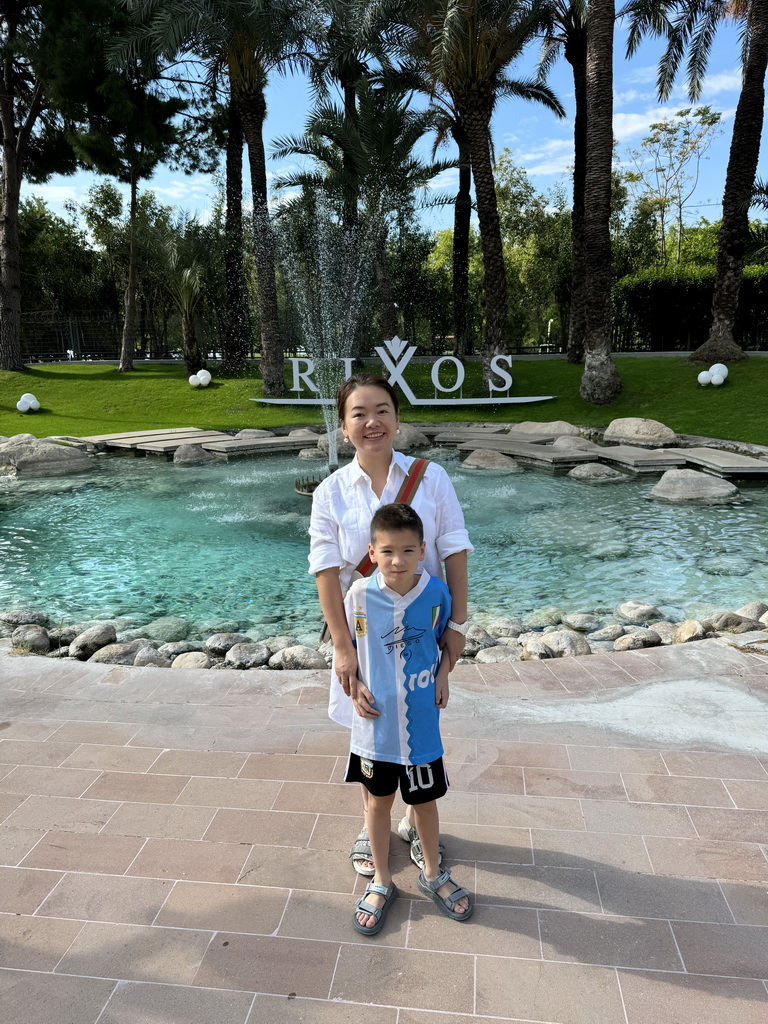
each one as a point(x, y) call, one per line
point(142, 538)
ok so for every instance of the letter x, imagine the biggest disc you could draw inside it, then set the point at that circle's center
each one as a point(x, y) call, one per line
point(396, 369)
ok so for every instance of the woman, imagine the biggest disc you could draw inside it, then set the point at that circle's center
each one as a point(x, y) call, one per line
point(342, 508)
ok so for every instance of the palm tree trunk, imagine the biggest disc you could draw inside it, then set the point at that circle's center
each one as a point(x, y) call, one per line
point(600, 382)
point(739, 182)
point(387, 311)
point(351, 185)
point(252, 109)
point(476, 118)
point(461, 228)
point(576, 55)
point(237, 326)
point(128, 347)
point(190, 346)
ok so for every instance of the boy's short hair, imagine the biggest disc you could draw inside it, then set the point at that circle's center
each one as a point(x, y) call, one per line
point(396, 516)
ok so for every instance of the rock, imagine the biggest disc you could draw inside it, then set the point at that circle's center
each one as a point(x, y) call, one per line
point(409, 436)
point(564, 643)
point(63, 636)
point(558, 427)
point(536, 650)
point(30, 639)
point(732, 622)
point(725, 565)
point(222, 665)
point(610, 632)
point(192, 455)
point(540, 617)
point(344, 448)
point(279, 643)
point(574, 441)
point(119, 654)
point(497, 655)
point(18, 438)
point(753, 610)
point(313, 455)
point(305, 433)
point(601, 646)
point(637, 430)
point(220, 643)
point(192, 659)
point(207, 627)
point(24, 617)
point(475, 640)
point(583, 622)
point(148, 657)
point(167, 629)
point(666, 631)
point(494, 462)
point(764, 618)
point(173, 650)
point(40, 458)
point(637, 641)
point(596, 473)
point(58, 652)
point(505, 627)
point(297, 657)
point(247, 655)
point(251, 432)
point(636, 612)
point(85, 645)
point(688, 486)
point(689, 630)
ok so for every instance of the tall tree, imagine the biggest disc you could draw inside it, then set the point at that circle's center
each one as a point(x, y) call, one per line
point(600, 383)
point(691, 27)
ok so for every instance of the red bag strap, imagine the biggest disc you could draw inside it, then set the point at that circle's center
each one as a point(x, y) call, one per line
point(405, 495)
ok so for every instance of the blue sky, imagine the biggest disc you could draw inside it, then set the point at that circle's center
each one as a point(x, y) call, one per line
point(538, 141)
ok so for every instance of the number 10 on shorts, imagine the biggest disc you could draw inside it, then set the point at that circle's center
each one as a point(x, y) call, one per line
point(419, 776)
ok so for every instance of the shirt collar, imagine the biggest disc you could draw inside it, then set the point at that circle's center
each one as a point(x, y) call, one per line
point(357, 473)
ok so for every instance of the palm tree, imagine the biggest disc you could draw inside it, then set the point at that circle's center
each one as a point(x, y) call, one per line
point(600, 383)
point(244, 40)
point(690, 27)
point(183, 275)
point(468, 46)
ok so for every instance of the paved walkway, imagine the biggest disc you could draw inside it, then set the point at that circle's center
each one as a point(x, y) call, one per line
point(174, 848)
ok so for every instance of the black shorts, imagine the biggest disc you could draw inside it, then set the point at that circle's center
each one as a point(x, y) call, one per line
point(419, 783)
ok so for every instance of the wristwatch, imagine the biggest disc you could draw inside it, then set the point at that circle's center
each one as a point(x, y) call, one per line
point(460, 627)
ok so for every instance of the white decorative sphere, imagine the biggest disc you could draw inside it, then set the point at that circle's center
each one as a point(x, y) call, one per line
point(28, 397)
point(205, 377)
point(717, 379)
point(194, 380)
point(22, 406)
point(720, 369)
point(705, 377)
point(34, 405)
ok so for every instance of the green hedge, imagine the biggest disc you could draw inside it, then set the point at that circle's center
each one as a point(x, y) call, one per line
point(660, 310)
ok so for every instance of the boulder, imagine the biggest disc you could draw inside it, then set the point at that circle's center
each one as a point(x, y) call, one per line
point(475, 640)
point(167, 629)
point(640, 431)
point(596, 473)
point(30, 639)
point(23, 617)
point(18, 438)
point(498, 655)
point(192, 659)
point(297, 657)
point(689, 630)
point(313, 455)
point(207, 627)
point(540, 617)
point(536, 650)
point(220, 643)
point(666, 631)
point(764, 618)
point(558, 427)
point(306, 433)
point(505, 627)
point(279, 643)
point(148, 657)
point(610, 632)
point(565, 643)
point(688, 486)
point(119, 654)
point(192, 455)
point(247, 655)
point(58, 652)
point(85, 644)
point(63, 636)
point(493, 462)
point(251, 432)
point(753, 610)
point(635, 613)
point(344, 448)
point(725, 565)
point(409, 437)
point(574, 441)
point(40, 458)
point(177, 647)
point(583, 622)
point(732, 622)
point(637, 641)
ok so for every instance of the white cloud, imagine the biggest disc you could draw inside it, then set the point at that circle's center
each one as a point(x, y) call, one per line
point(628, 126)
point(53, 193)
point(445, 179)
point(552, 156)
point(641, 76)
point(723, 81)
point(631, 96)
point(184, 188)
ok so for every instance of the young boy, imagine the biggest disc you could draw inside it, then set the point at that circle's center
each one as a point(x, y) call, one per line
point(396, 617)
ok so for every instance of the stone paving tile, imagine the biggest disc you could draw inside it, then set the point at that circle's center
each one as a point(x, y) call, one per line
point(328, 915)
point(159, 821)
point(111, 758)
point(220, 907)
point(96, 733)
point(610, 941)
point(278, 965)
point(83, 851)
point(188, 859)
point(244, 793)
point(15, 843)
point(676, 789)
point(314, 796)
point(34, 943)
point(487, 843)
point(714, 765)
point(22, 890)
point(135, 953)
point(637, 818)
point(748, 794)
point(589, 850)
point(741, 826)
point(307, 869)
point(748, 901)
point(29, 729)
point(28, 997)
point(574, 784)
point(159, 789)
point(526, 755)
point(264, 828)
point(529, 812)
point(296, 768)
point(132, 1002)
point(47, 781)
point(480, 778)
point(62, 814)
point(655, 998)
point(48, 753)
point(728, 949)
point(608, 672)
point(544, 888)
point(532, 990)
point(491, 931)
point(279, 1010)
point(422, 980)
point(334, 742)
point(701, 858)
point(112, 899)
point(657, 896)
point(8, 803)
point(209, 763)
point(616, 759)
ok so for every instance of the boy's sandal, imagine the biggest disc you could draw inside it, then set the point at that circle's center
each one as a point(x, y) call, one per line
point(379, 913)
point(446, 904)
point(361, 853)
point(409, 834)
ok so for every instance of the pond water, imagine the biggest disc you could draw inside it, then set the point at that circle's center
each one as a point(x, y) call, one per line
point(139, 538)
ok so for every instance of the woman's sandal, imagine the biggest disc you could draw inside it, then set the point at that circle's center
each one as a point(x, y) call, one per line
point(360, 852)
point(446, 904)
point(409, 834)
point(379, 913)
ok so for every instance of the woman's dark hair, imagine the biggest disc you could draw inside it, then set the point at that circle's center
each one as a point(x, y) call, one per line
point(363, 380)
point(396, 517)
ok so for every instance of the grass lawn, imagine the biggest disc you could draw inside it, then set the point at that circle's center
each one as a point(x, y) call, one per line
point(96, 399)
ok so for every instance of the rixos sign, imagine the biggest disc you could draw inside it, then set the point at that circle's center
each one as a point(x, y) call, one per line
point(395, 355)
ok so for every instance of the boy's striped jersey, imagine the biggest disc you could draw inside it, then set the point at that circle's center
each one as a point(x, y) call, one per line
point(396, 639)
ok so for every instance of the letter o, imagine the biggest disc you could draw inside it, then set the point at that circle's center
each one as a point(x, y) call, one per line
point(436, 373)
